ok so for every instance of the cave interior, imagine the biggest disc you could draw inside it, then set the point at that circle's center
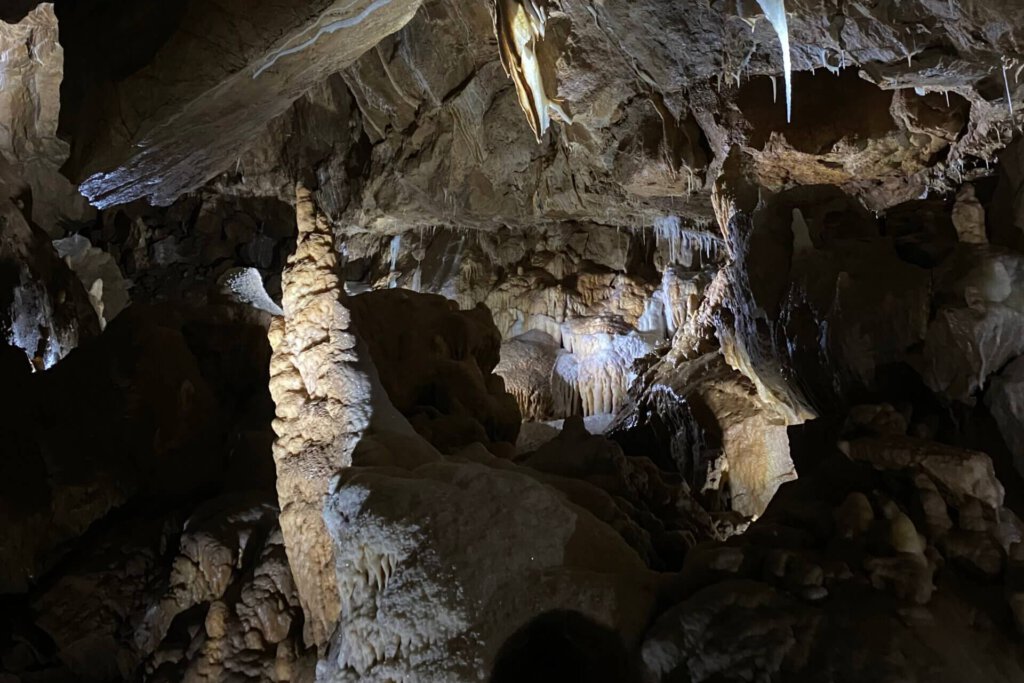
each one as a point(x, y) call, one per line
point(443, 341)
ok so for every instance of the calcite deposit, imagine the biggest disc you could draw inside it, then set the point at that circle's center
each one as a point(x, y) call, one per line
point(511, 340)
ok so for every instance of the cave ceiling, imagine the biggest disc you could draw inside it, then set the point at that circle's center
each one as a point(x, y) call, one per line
point(408, 118)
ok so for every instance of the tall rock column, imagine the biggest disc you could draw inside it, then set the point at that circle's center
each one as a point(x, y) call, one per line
point(323, 407)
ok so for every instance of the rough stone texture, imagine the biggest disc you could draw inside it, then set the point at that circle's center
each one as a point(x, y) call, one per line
point(231, 575)
point(440, 565)
point(656, 512)
point(440, 137)
point(186, 387)
point(874, 590)
point(98, 273)
point(435, 362)
point(849, 264)
point(29, 108)
point(323, 407)
point(44, 310)
point(186, 94)
point(157, 600)
point(182, 252)
point(527, 362)
point(978, 328)
point(93, 508)
point(1005, 398)
point(721, 435)
point(245, 286)
point(606, 297)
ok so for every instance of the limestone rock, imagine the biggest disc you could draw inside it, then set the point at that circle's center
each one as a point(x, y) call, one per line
point(719, 411)
point(322, 406)
point(435, 363)
point(44, 309)
point(438, 566)
point(189, 410)
point(221, 604)
point(526, 364)
point(657, 513)
point(232, 581)
point(969, 217)
point(978, 327)
point(99, 274)
point(29, 107)
point(960, 474)
point(246, 286)
point(700, 635)
point(782, 600)
point(1005, 398)
point(165, 144)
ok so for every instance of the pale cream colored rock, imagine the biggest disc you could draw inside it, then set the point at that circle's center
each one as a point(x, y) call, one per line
point(33, 68)
point(969, 216)
point(438, 566)
point(99, 274)
point(526, 365)
point(959, 475)
point(323, 407)
point(754, 441)
point(903, 534)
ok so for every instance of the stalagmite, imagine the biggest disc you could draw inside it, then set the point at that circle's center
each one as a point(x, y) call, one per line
point(323, 407)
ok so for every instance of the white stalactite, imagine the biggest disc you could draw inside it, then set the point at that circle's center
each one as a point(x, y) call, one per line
point(775, 11)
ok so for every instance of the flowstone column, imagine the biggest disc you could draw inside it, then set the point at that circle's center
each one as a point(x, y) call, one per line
point(323, 408)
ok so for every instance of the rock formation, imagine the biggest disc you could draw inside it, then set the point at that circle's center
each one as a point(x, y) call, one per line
point(322, 409)
point(30, 105)
point(511, 340)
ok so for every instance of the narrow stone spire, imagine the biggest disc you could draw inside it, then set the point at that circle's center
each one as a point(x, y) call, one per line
point(323, 408)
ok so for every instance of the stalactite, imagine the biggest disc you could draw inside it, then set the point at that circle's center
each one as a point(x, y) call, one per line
point(396, 247)
point(565, 394)
point(682, 242)
point(519, 27)
point(775, 11)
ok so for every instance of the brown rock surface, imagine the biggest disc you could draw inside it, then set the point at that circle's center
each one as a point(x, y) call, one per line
point(187, 93)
